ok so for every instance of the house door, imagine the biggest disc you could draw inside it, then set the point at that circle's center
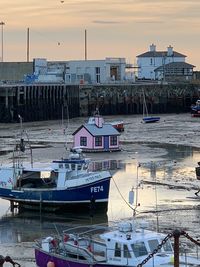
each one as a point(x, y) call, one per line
point(106, 142)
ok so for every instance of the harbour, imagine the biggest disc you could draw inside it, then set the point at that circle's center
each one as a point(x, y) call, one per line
point(167, 168)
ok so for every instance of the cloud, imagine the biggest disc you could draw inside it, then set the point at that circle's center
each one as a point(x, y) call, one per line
point(106, 22)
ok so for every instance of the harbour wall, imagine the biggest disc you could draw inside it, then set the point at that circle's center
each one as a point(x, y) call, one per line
point(129, 99)
point(36, 102)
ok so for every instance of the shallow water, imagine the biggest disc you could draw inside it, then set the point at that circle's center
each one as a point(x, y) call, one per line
point(166, 176)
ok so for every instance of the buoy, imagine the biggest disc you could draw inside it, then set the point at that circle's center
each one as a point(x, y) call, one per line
point(51, 264)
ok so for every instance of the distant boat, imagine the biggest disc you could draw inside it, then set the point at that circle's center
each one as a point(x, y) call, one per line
point(195, 109)
point(146, 117)
point(118, 125)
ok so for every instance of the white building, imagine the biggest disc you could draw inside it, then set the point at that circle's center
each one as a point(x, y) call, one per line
point(151, 60)
point(110, 70)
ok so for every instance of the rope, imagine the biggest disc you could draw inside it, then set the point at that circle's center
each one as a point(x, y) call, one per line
point(133, 209)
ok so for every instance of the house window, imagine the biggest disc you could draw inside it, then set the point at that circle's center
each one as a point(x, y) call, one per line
point(113, 140)
point(151, 61)
point(98, 141)
point(83, 141)
point(97, 69)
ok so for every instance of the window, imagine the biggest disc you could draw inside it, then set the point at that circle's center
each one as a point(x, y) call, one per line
point(113, 140)
point(151, 61)
point(153, 244)
point(83, 141)
point(79, 167)
point(139, 249)
point(98, 141)
point(117, 250)
point(97, 70)
point(73, 166)
point(126, 252)
point(167, 246)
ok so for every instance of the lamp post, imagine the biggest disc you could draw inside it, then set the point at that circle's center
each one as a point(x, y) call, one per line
point(2, 24)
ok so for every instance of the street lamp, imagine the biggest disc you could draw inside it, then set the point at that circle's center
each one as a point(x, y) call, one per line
point(2, 24)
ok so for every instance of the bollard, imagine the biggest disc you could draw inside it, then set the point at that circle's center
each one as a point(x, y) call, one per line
point(176, 247)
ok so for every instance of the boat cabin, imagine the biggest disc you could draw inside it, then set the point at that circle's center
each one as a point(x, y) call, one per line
point(127, 245)
point(55, 176)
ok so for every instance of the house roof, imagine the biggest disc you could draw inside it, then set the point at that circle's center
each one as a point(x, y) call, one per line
point(160, 54)
point(177, 65)
point(106, 129)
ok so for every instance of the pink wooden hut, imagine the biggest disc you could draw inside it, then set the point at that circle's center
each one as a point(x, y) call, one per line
point(95, 136)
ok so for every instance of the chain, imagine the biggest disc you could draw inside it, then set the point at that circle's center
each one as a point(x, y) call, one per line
point(190, 238)
point(164, 241)
point(155, 250)
point(8, 259)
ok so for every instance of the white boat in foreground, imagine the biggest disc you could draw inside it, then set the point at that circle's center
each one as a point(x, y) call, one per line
point(127, 245)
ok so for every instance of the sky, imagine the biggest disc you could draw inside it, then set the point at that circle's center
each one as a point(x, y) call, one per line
point(115, 28)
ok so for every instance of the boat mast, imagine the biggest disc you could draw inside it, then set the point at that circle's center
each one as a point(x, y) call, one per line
point(145, 110)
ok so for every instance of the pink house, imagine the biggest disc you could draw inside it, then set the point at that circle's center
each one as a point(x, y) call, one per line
point(95, 136)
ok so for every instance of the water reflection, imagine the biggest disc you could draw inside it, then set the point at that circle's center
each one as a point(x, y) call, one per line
point(112, 165)
point(28, 226)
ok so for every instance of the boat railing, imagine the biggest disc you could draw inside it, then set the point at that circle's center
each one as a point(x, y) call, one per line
point(95, 227)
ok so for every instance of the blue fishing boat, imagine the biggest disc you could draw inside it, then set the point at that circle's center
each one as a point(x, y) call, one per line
point(67, 184)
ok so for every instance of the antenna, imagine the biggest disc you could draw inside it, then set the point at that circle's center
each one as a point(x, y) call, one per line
point(28, 44)
point(85, 44)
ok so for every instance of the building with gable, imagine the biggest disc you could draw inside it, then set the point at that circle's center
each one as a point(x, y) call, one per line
point(96, 136)
point(163, 65)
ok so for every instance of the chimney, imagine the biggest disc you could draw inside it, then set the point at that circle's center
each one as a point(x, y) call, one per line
point(152, 48)
point(170, 51)
point(99, 121)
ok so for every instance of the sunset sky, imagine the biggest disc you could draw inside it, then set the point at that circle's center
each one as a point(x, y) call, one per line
point(115, 28)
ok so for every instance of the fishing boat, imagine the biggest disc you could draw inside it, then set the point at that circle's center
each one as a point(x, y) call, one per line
point(195, 109)
point(146, 117)
point(128, 244)
point(66, 184)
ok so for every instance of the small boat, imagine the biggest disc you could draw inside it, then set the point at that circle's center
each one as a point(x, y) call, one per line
point(146, 117)
point(195, 109)
point(118, 125)
point(67, 184)
point(126, 245)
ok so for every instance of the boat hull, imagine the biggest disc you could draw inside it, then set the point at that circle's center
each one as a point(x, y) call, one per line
point(151, 119)
point(93, 197)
